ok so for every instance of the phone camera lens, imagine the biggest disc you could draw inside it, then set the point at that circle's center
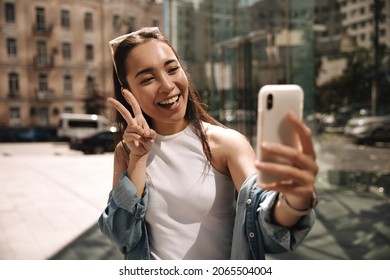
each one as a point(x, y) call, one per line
point(270, 101)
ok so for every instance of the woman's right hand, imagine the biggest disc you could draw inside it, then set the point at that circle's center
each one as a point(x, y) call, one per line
point(138, 136)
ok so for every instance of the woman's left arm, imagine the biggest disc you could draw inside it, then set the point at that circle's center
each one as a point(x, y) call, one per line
point(296, 194)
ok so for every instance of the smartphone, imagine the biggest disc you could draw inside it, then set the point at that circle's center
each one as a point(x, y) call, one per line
point(274, 102)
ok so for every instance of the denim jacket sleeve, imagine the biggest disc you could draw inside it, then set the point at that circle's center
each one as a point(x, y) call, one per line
point(254, 233)
point(123, 221)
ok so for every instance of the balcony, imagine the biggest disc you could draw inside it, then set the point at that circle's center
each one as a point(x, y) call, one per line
point(44, 95)
point(14, 95)
point(42, 29)
point(43, 62)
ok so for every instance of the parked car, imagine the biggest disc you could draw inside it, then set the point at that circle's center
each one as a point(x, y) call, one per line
point(8, 134)
point(96, 143)
point(80, 125)
point(369, 129)
point(34, 134)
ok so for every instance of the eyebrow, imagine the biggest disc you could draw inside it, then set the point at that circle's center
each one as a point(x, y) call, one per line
point(147, 70)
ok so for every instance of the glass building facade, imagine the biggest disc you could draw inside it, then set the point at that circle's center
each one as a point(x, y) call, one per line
point(338, 51)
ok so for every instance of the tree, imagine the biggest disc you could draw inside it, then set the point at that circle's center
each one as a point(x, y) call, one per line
point(353, 86)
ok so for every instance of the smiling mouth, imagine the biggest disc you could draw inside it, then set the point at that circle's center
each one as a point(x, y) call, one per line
point(169, 102)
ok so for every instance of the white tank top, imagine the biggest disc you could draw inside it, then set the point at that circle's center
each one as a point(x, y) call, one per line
point(191, 207)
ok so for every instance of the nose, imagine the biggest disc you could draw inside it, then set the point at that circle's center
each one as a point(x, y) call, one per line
point(166, 84)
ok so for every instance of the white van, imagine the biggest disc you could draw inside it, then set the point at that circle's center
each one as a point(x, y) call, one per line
point(80, 125)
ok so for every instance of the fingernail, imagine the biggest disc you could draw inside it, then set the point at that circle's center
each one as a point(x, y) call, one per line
point(265, 145)
point(292, 115)
point(259, 164)
point(268, 186)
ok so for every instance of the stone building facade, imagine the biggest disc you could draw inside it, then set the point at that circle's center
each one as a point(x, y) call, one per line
point(54, 55)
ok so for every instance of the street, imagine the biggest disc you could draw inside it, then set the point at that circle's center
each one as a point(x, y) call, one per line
point(52, 197)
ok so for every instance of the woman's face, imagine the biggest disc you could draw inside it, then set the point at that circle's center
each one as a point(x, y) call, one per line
point(159, 84)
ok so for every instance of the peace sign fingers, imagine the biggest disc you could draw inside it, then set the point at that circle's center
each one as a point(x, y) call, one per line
point(131, 122)
point(122, 110)
point(138, 136)
point(132, 101)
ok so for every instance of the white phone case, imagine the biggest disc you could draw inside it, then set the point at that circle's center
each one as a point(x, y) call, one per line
point(272, 123)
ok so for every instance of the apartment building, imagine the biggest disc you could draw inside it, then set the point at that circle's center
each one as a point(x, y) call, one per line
point(359, 21)
point(54, 55)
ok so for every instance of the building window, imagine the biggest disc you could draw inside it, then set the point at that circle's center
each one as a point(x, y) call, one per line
point(362, 37)
point(43, 115)
point(131, 24)
point(68, 85)
point(88, 21)
point(116, 23)
point(65, 18)
point(42, 83)
point(11, 47)
point(68, 109)
point(66, 51)
point(40, 20)
point(90, 85)
point(13, 84)
point(42, 53)
point(89, 52)
point(14, 116)
point(9, 12)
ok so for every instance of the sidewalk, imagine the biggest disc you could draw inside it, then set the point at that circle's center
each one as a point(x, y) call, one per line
point(50, 205)
point(49, 196)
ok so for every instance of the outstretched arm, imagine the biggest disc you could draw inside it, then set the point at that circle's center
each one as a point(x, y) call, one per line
point(298, 192)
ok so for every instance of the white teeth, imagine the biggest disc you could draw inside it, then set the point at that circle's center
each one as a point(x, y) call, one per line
point(169, 101)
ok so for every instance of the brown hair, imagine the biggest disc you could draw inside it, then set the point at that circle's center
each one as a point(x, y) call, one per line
point(195, 113)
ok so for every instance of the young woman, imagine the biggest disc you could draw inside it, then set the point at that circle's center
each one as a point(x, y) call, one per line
point(177, 171)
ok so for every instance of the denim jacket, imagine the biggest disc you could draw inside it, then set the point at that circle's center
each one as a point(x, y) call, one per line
point(254, 234)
